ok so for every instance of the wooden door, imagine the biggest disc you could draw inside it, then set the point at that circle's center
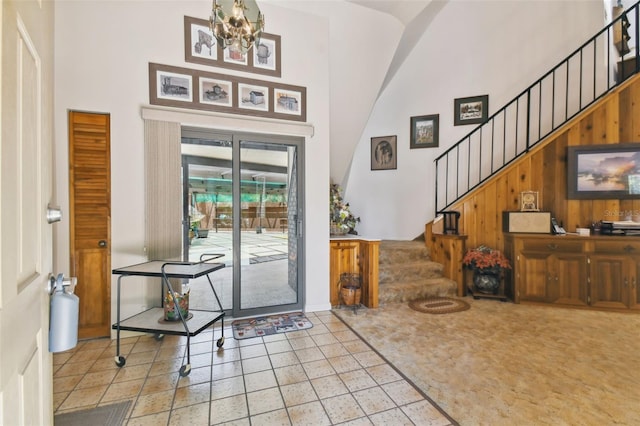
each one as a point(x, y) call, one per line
point(90, 219)
point(609, 281)
point(343, 258)
point(533, 279)
point(26, 246)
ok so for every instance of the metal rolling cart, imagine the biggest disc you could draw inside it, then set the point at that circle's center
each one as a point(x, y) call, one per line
point(152, 320)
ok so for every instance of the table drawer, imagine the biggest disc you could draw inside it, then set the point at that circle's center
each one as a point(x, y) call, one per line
point(626, 247)
point(553, 246)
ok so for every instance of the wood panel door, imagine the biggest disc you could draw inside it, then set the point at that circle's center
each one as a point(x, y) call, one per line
point(26, 176)
point(90, 219)
point(343, 258)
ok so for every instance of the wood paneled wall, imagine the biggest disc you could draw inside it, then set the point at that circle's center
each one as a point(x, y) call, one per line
point(612, 120)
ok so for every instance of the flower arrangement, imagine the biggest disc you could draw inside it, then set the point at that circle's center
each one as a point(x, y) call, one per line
point(342, 220)
point(486, 260)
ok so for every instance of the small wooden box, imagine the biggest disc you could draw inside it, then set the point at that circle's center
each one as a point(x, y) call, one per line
point(527, 222)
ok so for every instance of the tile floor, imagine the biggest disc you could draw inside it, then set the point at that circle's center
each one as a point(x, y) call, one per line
point(321, 376)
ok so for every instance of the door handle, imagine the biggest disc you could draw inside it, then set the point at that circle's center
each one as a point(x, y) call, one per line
point(102, 243)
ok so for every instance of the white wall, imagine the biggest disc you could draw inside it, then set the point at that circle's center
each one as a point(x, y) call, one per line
point(471, 48)
point(102, 53)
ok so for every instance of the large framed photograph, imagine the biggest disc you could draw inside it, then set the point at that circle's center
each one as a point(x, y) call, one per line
point(472, 110)
point(603, 171)
point(201, 47)
point(424, 131)
point(384, 150)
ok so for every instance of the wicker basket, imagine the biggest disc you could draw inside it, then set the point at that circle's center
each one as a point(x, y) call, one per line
point(350, 295)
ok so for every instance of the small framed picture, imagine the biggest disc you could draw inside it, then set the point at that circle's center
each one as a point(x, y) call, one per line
point(173, 86)
point(529, 201)
point(266, 54)
point(384, 151)
point(287, 101)
point(253, 97)
point(216, 92)
point(424, 131)
point(473, 110)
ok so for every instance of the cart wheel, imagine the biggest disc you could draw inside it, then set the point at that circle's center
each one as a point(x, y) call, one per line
point(220, 342)
point(120, 361)
point(158, 336)
point(185, 370)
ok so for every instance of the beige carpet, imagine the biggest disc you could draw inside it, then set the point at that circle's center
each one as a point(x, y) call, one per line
point(505, 364)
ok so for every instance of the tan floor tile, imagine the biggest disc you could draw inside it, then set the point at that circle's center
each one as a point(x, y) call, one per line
point(128, 389)
point(290, 374)
point(324, 339)
point(264, 400)
point(191, 395)
point(171, 352)
point(310, 414)
point(73, 369)
point(61, 357)
point(66, 383)
point(368, 359)
point(226, 355)
point(383, 374)
point(333, 350)
point(224, 388)
point(141, 358)
point(197, 375)
point(150, 420)
point(87, 355)
point(394, 417)
point(278, 346)
point(132, 372)
point(356, 346)
point(298, 393)
point(253, 351)
point(253, 365)
point(344, 363)
point(347, 335)
point(373, 400)
point(273, 418)
point(226, 370)
point(229, 409)
point(165, 367)
point(422, 412)
point(274, 337)
point(357, 380)
point(193, 415)
point(83, 397)
point(58, 399)
point(96, 379)
point(283, 359)
point(161, 383)
point(309, 354)
point(342, 408)
point(402, 392)
point(329, 386)
point(318, 329)
point(302, 343)
point(201, 348)
point(199, 360)
point(152, 403)
point(104, 364)
point(315, 369)
point(260, 380)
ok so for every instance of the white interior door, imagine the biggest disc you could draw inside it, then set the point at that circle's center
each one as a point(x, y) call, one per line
point(26, 238)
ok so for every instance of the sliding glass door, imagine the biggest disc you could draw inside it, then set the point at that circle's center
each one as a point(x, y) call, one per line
point(242, 198)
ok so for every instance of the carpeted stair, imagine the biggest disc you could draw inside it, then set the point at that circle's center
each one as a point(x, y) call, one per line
point(407, 273)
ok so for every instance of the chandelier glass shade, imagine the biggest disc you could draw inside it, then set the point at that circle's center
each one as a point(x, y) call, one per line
point(236, 24)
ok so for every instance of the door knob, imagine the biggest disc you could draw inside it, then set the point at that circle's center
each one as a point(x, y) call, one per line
point(54, 214)
point(102, 243)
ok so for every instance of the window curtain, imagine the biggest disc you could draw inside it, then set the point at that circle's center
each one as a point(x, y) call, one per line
point(163, 190)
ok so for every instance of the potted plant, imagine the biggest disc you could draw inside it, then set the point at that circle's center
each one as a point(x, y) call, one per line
point(487, 265)
point(342, 220)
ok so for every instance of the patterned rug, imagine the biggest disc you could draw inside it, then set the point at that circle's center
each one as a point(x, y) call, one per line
point(272, 324)
point(438, 305)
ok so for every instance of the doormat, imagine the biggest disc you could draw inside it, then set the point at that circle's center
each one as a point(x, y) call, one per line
point(104, 415)
point(267, 325)
point(439, 305)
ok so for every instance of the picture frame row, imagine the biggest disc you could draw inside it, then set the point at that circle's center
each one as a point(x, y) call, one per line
point(201, 47)
point(194, 89)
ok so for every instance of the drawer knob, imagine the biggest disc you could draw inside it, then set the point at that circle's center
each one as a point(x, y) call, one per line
point(629, 249)
point(552, 246)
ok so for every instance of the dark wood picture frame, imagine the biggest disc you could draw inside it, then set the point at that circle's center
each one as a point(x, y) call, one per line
point(471, 110)
point(205, 88)
point(384, 153)
point(424, 131)
point(201, 47)
point(589, 173)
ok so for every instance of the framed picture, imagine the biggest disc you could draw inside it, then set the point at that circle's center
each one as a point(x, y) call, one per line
point(287, 101)
point(172, 87)
point(529, 201)
point(424, 131)
point(253, 97)
point(266, 53)
point(473, 110)
point(216, 92)
point(603, 171)
point(201, 90)
point(201, 47)
point(384, 153)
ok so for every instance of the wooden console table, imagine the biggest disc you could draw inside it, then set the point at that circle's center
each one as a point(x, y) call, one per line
point(353, 254)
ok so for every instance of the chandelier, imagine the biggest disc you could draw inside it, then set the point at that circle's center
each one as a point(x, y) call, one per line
point(236, 23)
